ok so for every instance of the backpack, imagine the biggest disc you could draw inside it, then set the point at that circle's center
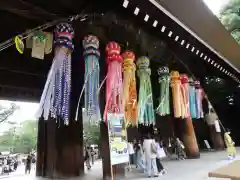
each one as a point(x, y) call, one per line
point(154, 148)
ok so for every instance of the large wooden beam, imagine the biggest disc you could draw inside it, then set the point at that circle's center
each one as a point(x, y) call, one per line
point(27, 10)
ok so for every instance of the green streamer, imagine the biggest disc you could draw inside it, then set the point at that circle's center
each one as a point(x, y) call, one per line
point(145, 101)
point(163, 108)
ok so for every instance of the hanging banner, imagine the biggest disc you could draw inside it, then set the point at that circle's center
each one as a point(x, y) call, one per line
point(217, 126)
point(117, 139)
point(49, 42)
point(38, 48)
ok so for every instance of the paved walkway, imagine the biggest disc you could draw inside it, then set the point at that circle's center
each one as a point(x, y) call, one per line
point(196, 169)
point(176, 170)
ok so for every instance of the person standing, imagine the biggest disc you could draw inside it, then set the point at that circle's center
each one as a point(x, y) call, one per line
point(139, 154)
point(131, 152)
point(28, 164)
point(160, 152)
point(150, 151)
point(231, 150)
point(87, 157)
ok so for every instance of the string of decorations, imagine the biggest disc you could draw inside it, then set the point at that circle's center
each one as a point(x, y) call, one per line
point(130, 89)
point(91, 76)
point(18, 40)
point(145, 102)
point(54, 102)
point(164, 102)
point(114, 82)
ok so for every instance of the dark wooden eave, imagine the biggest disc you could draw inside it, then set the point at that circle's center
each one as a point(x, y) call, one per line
point(195, 17)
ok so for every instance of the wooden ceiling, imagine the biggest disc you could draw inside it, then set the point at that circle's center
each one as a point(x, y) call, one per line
point(28, 74)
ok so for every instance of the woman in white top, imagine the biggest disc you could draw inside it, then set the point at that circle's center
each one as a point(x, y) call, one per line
point(131, 152)
point(150, 151)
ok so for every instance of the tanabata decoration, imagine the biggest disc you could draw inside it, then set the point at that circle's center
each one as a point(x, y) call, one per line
point(54, 102)
point(199, 97)
point(145, 102)
point(164, 81)
point(91, 57)
point(114, 82)
point(185, 96)
point(129, 89)
point(176, 93)
point(192, 99)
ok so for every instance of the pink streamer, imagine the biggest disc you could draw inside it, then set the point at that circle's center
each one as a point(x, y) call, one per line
point(114, 82)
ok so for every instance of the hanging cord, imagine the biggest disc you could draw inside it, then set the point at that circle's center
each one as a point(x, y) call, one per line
point(26, 34)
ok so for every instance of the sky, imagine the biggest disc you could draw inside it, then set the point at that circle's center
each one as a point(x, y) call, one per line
point(28, 110)
point(216, 5)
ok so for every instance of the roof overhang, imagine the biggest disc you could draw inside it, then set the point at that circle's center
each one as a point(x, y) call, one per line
point(196, 18)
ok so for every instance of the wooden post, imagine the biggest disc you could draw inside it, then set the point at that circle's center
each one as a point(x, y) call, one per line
point(187, 134)
point(216, 138)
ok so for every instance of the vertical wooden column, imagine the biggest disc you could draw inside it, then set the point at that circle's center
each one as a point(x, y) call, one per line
point(60, 146)
point(216, 138)
point(189, 139)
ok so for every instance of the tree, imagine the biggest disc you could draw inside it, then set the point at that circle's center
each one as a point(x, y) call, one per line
point(230, 18)
point(91, 133)
point(6, 112)
point(20, 138)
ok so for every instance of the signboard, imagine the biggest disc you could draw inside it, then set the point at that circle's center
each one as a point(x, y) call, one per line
point(117, 139)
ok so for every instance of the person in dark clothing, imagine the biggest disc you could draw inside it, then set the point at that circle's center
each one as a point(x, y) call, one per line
point(87, 157)
point(28, 164)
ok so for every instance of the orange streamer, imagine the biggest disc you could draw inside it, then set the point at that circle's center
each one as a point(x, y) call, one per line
point(129, 89)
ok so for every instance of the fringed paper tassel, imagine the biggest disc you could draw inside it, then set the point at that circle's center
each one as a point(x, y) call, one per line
point(92, 70)
point(164, 81)
point(56, 94)
point(114, 84)
point(176, 93)
point(145, 101)
point(192, 99)
point(129, 89)
point(185, 96)
point(199, 97)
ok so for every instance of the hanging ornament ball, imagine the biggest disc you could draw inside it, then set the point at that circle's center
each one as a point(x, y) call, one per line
point(197, 84)
point(113, 48)
point(174, 75)
point(90, 41)
point(19, 44)
point(184, 78)
point(64, 28)
point(143, 62)
point(163, 71)
point(114, 57)
point(128, 55)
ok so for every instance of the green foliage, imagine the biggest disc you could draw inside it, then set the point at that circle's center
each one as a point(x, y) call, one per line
point(230, 18)
point(91, 133)
point(20, 139)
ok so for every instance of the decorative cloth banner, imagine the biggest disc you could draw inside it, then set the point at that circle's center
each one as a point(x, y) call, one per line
point(114, 82)
point(185, 96)
point(199, 97)
point(129, 88)
point(145, 101)
point(92, 70)
point(176, 93)
point(192, 99)
point(54, 102)
point(164, 81)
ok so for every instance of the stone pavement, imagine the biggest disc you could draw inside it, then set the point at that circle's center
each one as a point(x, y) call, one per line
point(176, 170)
point(196, 169)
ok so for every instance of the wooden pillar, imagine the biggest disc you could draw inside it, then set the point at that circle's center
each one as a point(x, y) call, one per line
point(187, 134)
point(216, 138)
point(60, 146)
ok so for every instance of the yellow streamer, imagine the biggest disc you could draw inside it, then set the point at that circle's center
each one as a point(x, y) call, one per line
point(176, 93)
point(129, 89)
